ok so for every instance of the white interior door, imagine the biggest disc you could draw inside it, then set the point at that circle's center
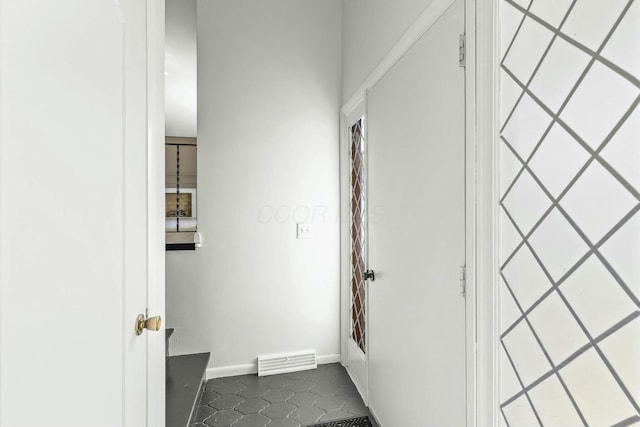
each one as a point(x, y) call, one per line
point(357, 333)
point(74, 214)
point(416, 172)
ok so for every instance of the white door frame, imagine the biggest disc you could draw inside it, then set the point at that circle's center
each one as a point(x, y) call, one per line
point(484, 46)
point(358, 110)
point(156, 384)
point(481, 19)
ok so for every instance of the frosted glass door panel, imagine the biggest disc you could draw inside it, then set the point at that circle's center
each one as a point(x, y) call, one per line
point(569, 220)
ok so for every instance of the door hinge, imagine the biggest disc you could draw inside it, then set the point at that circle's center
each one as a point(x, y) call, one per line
point(463, 280)
point(462, 50)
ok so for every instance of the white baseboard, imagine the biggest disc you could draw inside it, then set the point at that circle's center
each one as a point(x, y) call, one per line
point(231, 371)
point(252, 368)
point(375, 417)
point(329, 358)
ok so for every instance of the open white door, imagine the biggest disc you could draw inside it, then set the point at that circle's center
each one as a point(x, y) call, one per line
point(416, 177)
point(77, 129)
point(355, 251)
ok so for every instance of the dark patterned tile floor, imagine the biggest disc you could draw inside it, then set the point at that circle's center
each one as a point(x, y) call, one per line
point(287, 400)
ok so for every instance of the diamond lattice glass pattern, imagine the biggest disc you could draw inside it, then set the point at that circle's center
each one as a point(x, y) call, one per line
point(567, 196)
point(358, 236)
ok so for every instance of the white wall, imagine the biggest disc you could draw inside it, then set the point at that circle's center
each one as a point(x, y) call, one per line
point(268, 111)
point(370, 29)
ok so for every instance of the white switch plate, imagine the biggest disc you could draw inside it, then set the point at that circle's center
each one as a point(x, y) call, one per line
point(303, 231)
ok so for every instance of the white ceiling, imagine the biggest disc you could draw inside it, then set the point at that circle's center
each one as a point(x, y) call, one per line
point(181, 94)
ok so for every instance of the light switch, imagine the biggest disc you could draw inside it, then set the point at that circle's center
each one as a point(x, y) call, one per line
point(303, 231)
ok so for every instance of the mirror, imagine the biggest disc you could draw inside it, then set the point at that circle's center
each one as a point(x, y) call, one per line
point(181, 136)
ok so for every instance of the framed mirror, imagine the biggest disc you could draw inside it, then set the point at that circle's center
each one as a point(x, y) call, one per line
point(181, 134)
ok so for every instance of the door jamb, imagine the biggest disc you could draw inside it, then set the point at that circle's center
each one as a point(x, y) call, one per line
point(155, 211)
point(482, 130)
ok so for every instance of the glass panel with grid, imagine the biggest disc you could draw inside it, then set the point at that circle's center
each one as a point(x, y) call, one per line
point(358, 235)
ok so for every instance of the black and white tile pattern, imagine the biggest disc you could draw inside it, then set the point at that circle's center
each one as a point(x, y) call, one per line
point(569, 217)
point(353, 422)
point(288, 400)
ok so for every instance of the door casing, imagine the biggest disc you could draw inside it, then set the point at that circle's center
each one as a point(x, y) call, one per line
point(482, 117)
point(156, 361)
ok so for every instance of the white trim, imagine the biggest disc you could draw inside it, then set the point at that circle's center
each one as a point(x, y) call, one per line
point(375, 417)
point(344, 239)
point(231, 371)
point(156, 358)
point(426, 19)
point(367, 283)
point(3, 160)
point(470, 214)
point(329, 358)
point(486, 275)
point(252, 368)
point(357, 105)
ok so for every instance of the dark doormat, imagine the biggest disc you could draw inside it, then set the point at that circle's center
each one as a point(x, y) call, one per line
point(351, 422)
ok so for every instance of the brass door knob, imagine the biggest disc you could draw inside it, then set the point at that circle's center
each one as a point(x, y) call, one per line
point(152, 323)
